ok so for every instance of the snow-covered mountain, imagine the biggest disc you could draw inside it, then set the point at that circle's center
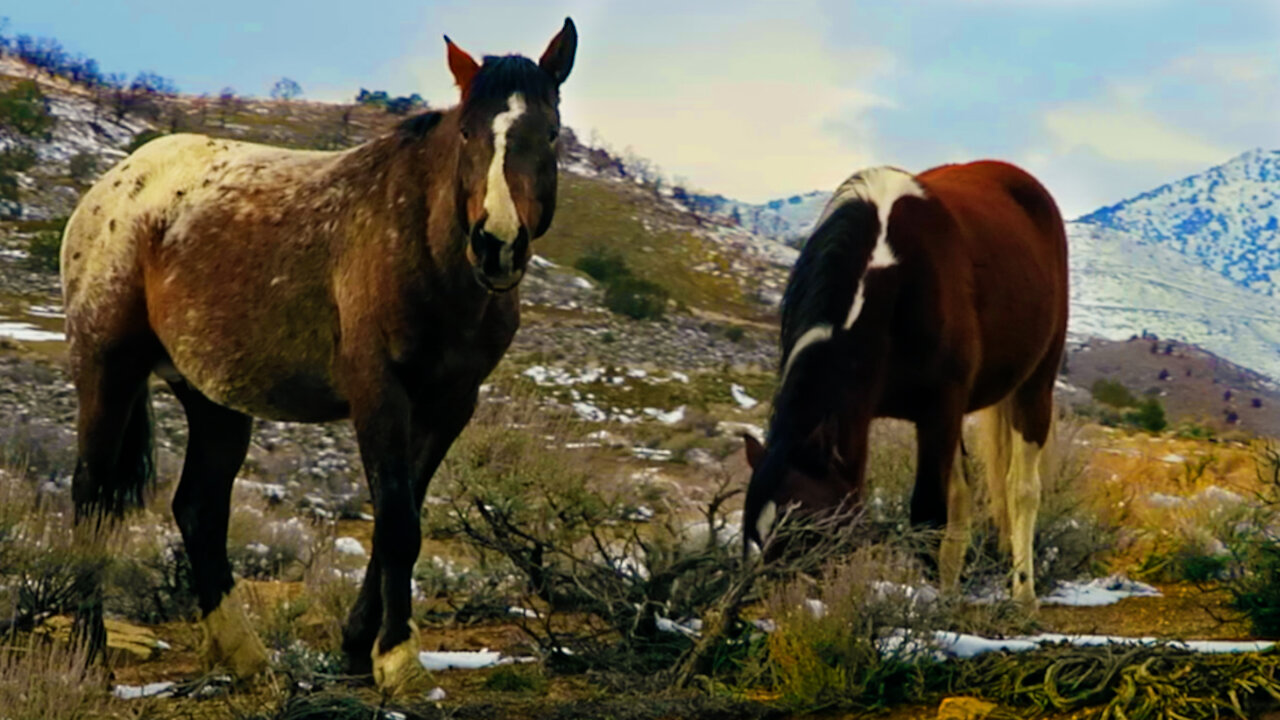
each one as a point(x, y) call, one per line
point(788, 220)
point(1226, 218)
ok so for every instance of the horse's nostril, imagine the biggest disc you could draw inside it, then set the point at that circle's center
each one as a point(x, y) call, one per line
point(520, 250)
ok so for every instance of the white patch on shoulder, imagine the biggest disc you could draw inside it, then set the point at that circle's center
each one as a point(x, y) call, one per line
point(503, 222)
point(816, 334)
point(880, 186)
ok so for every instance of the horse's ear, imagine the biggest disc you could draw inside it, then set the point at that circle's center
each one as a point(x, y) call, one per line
point(755, 451)
point(463, 66)
point(557, 60)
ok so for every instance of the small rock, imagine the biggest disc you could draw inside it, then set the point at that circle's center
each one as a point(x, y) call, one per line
point(965, 708)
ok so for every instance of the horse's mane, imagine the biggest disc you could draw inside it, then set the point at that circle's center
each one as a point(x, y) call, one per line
point(500, 76)
point(417, 127)
point(817, 299)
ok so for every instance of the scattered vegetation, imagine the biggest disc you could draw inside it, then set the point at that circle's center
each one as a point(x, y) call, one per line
point(625, 294)
point(43, 251)
point(401, 105)
point(83, 167)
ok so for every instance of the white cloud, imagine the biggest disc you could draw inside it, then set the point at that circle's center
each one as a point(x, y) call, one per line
point(1127, 134)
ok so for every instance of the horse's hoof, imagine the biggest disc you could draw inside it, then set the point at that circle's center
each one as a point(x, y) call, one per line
point(230, 642)
point(1026, 597)
point(399, 670)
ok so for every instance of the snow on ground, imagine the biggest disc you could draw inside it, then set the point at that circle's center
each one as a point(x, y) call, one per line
point(1098, 592)
point(349, 546)
point(467, 660)
point(26, 332)
point(962, 645)
point(740, 396)
point(133, 692)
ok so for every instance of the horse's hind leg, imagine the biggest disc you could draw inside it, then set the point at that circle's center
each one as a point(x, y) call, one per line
point(1032, 421)
point(216, 447)
point(114, 460)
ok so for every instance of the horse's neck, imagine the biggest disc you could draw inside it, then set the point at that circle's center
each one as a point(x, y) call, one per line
point(410, 187)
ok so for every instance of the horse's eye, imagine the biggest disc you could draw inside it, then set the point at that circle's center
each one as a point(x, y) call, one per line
point(553, 135)
point(466, 135)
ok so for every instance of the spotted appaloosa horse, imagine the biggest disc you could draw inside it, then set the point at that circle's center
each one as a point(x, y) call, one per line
point(376, 283)
point(922, 297)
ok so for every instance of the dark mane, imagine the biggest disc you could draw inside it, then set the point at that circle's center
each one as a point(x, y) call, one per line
point(416, 127)
point(501, 76)
point(820, 291)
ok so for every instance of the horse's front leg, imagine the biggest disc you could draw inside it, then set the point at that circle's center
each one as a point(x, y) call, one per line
point(435, 425)
point(382, 418)
point(941, 497)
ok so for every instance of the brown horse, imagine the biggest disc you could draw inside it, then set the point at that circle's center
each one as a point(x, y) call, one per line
point(376, 283)
point(923, 298)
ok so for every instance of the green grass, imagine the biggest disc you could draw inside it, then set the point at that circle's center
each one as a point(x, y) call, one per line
point(595, 215)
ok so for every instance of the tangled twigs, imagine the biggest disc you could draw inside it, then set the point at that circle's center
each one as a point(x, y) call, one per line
point(1155, 683)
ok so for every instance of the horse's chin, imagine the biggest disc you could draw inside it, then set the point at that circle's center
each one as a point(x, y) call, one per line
point(495, 288)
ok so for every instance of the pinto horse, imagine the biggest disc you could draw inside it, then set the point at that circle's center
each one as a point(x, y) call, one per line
point(924, 298)
point(376, 283)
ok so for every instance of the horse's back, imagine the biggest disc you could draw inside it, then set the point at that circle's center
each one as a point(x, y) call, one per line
point(140, 194)
point(1011, 241)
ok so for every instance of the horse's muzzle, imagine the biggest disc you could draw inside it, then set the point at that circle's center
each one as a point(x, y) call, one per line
point(499, 265)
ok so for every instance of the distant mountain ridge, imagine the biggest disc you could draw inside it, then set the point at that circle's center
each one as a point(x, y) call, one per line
point(788, 220)
point(1226, 218)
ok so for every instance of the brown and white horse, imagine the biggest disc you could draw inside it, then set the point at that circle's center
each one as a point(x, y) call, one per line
point(376, 283)
point(922, 297)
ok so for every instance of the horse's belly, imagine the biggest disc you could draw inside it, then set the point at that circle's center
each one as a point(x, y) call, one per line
point(261, 369)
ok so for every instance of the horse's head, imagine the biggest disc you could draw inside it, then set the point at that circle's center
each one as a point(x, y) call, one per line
point(509, 125)
point(807, 484)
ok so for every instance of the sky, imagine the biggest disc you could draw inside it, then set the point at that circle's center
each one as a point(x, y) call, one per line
point(1101, 99)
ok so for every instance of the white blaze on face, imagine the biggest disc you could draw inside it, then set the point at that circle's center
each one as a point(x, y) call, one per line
point(503, 222)
point(816, 334)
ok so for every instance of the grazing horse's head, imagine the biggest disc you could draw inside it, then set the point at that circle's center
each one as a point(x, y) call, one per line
point(509, 123)
point(805, 483)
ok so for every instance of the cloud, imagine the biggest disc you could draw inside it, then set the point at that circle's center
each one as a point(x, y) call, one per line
point(758, 112)
point(1127, 134)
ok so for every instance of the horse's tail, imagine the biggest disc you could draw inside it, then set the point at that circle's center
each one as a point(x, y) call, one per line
point(995, 451)
point(135, 469)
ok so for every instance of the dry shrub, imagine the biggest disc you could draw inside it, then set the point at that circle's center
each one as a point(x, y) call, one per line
point(41, 680)
point(827, 646)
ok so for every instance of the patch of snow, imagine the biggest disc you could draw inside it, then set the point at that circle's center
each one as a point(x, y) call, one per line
point(467, 660)
point(1098, 592)
point(729, 427)
point(349, 546)
point(692, 628)
point(26, 332)
point(740, 396)
point(436, 695)
point(133, 692)
point(641, 513)
point(651, 453)
point(666, 418)
point(1173, 458)
point(589, 412)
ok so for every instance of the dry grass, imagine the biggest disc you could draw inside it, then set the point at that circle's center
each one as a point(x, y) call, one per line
point(41, 680)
